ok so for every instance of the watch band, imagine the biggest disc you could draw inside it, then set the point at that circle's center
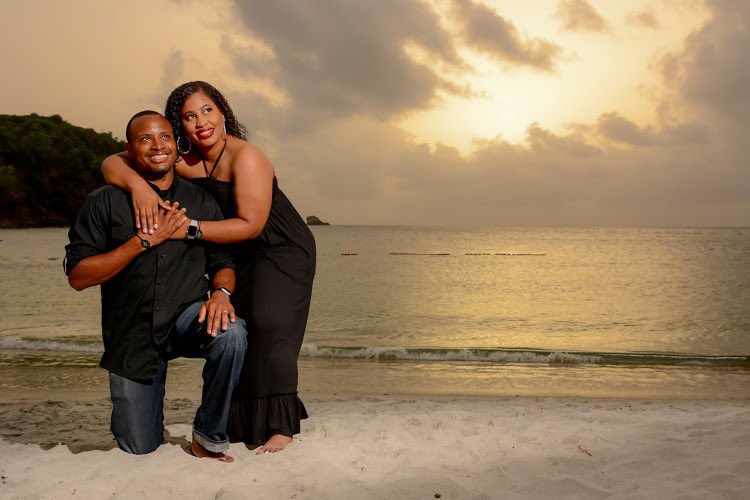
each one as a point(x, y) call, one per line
point(223, 289)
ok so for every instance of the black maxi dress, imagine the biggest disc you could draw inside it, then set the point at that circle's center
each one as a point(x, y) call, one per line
point(275, 274)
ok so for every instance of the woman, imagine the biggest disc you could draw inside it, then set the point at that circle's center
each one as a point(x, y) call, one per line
point(275, 253)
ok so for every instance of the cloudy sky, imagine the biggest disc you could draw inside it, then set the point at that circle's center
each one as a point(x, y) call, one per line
point(543, 113)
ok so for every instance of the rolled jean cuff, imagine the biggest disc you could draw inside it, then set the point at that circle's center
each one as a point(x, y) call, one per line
point(210, 444)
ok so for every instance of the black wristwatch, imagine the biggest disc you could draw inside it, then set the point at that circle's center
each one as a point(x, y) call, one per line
point(144, 242)
point(194, 230)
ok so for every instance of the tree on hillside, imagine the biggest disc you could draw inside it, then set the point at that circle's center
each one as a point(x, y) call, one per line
point(47, 167)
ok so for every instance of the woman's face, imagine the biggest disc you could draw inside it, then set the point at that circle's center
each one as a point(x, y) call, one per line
point(202, 121)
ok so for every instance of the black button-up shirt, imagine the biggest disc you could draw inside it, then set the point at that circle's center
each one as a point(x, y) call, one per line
point(141, 303)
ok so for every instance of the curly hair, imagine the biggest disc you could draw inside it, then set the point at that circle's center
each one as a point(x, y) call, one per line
point(173, 109)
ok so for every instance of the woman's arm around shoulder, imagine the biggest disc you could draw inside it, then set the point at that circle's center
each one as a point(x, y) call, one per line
point(118, 171)
point(252, 176)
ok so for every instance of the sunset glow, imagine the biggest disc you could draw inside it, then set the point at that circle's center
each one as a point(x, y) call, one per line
point(575, 112)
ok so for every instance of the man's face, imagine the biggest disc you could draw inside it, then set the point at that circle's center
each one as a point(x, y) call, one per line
point(152, 145)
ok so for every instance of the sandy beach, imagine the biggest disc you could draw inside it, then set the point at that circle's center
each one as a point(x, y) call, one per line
point(399, 447)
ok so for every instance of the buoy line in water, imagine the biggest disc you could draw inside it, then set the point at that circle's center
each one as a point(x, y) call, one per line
point(411, 253)
point(468, 253)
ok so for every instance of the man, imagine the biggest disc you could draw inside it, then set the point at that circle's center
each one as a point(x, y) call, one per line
point(153, 290)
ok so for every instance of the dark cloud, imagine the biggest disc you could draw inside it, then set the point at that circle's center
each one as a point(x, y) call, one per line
point(711, 70)
point(353, 167)
point(645, 18)
point(579, 15)
point(343, 58)
point(615, 127)
point(485, 30)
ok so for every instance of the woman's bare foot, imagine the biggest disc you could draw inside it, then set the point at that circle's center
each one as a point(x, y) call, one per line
point(277, 443)
point(200, 452)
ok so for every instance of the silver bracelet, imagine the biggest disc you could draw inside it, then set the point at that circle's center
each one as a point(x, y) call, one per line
point(223, 289)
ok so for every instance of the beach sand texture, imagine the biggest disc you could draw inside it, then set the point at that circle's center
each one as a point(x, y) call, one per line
point(397, 448)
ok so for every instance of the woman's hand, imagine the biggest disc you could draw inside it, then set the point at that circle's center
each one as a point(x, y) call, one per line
point(168, 222)
point(180, 233)
point(146, 204)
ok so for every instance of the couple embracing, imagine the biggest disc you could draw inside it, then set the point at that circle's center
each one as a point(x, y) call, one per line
point(205, 202)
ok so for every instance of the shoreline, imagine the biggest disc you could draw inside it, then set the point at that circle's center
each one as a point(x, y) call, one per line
point(325, 378)
point(397, 447)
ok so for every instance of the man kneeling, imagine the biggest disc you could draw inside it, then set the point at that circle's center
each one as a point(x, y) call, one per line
point(153, 297)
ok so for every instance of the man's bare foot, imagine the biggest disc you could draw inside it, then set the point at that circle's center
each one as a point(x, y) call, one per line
point(277, 443)
point(200, 452)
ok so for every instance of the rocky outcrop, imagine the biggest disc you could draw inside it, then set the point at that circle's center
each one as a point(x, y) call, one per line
point(314, 221)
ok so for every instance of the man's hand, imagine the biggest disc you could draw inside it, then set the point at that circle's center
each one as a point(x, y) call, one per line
point(218, 312)
point(97, 269)
point(169, 221)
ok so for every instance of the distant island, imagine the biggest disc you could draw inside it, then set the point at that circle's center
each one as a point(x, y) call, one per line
point(314, 221)
point(47, 167)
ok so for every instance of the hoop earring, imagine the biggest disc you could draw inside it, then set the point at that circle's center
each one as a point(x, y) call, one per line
point(225, 130)
point(181, 150)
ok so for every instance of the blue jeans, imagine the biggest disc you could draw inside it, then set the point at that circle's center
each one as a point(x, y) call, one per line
point(138, 405)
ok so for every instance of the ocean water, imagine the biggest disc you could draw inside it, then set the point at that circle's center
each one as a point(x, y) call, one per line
point(452, 310)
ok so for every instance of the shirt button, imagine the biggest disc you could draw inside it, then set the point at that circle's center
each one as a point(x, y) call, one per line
point(160, 282)
point(163, 256)
point(158, 309)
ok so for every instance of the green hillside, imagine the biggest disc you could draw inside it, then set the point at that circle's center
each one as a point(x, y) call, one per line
point(47, 167)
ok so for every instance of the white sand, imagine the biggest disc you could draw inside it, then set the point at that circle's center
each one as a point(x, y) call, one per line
point(372, 448)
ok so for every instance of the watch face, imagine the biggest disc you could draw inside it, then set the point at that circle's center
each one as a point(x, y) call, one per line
point(145, 243)
point(192, 230)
